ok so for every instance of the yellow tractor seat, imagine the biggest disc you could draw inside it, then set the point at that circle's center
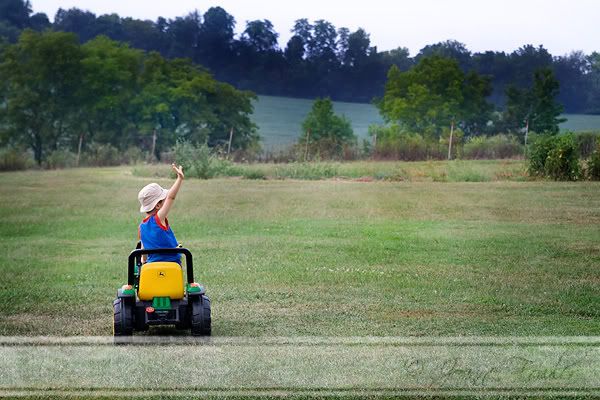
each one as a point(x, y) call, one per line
point(161, 279)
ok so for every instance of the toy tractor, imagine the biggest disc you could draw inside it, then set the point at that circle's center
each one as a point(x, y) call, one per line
point(156, 294)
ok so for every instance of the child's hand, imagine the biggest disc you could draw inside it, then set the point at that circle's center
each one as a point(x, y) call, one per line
point(178, 170)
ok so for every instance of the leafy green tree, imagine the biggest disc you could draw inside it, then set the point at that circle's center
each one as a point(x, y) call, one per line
point(327, 132)
point(53, 90)
point(537, 106)
point(111, 25)
point(39, 22)
point(593, 92)
point(429, 96)
point(546, 110)
point(215, 38)
point(476, 111)
point(303, 29)
point(342, 43)
point(294, 51)
point(82, 23)
point(15, 13)
point(448, 49)
point(519, 106)
point(41, 74)
point(181, 101)
point(109, 85)
point(323, 46)
point(573, 71)
point(524, 61)
point(183, 34)
point(358, 48)
point(260, 35)
point(8, 33)
point(143, 35)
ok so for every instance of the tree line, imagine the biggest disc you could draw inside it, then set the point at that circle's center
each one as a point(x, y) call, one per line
point(319, 60)
point(56, 93)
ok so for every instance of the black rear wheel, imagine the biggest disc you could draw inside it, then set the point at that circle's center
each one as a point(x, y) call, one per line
point(123, 317)
point(200, 317)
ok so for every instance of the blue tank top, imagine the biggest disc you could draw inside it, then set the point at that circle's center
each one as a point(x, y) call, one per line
point(154, 235)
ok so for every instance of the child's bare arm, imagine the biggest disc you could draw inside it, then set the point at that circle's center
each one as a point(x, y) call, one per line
point(163, 212)
point(144, 256)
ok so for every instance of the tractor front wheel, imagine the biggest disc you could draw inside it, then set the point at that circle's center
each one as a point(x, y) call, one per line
point(200, 317)
point(123, 318)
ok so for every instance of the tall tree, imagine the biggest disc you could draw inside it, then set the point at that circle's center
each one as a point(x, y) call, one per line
point(358, 48)
point(216, 38)
point(184, 34)
point(535, 106)
point(303, 29)
point(143, 35)
point(260, 35)
point(42, 72)
point(327, 132)
point(546, 110)
point(573, 72)
point(82, 23)
point(432, 94)
point(39, 22)
point(109, 84)
point(400, 57)
point(342, 43)
point(15, 13)
point(448, 49)
point(294, 51)
point(593, 93)
point(323, 46)
point(525, 61)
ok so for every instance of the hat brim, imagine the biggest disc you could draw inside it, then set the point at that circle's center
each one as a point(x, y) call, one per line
point(151, 206)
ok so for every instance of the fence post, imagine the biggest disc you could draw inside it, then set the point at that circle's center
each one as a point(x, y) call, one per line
point(450, 141)
point(79, 150)
point(230, 139)
point(526, 133)
point(153, 145)
point(306, 149)
point(374, 143)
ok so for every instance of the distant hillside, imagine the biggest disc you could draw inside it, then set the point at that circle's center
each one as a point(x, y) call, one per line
point(280, 118)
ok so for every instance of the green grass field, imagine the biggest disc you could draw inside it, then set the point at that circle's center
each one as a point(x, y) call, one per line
point(280, 119)
point(328, 257)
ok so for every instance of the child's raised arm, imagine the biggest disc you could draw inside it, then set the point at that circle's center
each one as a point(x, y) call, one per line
point(166, 207)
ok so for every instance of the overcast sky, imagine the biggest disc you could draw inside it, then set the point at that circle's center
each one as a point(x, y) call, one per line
point(503, 25)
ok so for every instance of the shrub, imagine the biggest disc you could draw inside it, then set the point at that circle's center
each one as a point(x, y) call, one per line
point(328, 133)
point(492, 147)
point(254, 174)
point(60, 159)
point(394, 143)
point(307, 170)
point(555, 157)
point(101, 155)
point(537, 154)
point(586, 143)
point(133, 155)
point(593, 165)
point(199, 161)
point(13, 159)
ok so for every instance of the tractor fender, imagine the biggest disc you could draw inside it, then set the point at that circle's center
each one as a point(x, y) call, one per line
point(125, 294)
point(197, 293)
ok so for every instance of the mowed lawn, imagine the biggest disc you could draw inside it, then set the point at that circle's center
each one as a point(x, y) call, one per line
point(330, 257)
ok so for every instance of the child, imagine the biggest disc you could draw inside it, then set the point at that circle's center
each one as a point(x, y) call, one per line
point(154, 231)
